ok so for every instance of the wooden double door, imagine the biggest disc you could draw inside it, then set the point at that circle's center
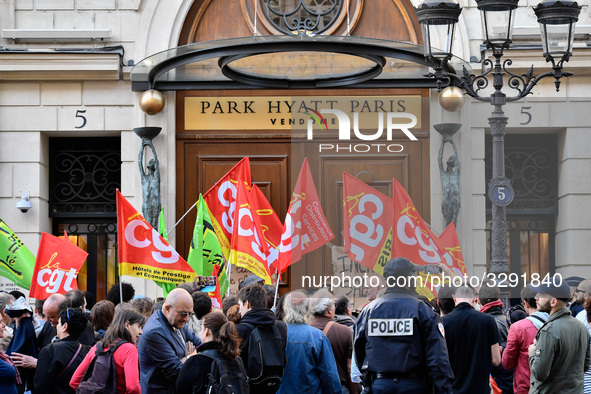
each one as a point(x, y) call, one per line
point(204, 156)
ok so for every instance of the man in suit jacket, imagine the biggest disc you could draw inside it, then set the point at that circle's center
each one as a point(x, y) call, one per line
point(166, 343)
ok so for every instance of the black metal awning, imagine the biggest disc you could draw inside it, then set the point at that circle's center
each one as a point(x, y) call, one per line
point(288, 62)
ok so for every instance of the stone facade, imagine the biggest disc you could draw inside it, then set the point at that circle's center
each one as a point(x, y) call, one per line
point(42, 89)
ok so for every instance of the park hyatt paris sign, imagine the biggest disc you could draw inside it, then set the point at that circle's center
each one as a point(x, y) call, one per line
point(367, 113)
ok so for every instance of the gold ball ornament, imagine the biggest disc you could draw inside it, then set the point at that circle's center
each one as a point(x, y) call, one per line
point(451, 98)
point(152, 102)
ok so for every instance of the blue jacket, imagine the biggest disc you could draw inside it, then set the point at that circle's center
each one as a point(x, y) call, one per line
point(311, 367)
point(160, 352)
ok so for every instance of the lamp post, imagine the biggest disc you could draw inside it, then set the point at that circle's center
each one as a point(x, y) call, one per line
point(557, 22)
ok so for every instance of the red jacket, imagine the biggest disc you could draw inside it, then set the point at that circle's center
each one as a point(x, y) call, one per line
point(521, 335)
point(126, 365)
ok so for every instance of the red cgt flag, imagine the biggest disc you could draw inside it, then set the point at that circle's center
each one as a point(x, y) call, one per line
point(306, 227)
point(221, 200)
point(367, 224)
point(449, 240)
point(249, 249)
point(413, 238)
point(56, 267)
point(270, 224)
point(143, 252)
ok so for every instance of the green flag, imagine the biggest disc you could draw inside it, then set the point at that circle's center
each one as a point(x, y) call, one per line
point(166, 286)
point(205, 248)
point(16, 261)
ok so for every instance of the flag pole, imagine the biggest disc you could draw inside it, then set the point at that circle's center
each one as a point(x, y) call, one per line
point(276, 288)
point(120, 289)
point(182, 217)
point(228, 274)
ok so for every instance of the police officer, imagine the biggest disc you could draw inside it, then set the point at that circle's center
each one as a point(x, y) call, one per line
point(399, 341)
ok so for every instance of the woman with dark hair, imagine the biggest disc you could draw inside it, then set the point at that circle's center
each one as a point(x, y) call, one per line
point(58, 360)
point(219, 334)
point(101, 316)
point(127, 327)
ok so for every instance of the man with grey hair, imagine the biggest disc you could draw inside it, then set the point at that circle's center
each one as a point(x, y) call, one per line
point(166, 343)
point(5, 299)
point(322, 308)
point(473, 343)
point(311, 365)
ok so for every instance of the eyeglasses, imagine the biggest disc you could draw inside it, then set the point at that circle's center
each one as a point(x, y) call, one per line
point(183, 314)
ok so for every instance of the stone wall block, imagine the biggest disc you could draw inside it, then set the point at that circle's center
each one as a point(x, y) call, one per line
point(61, 94)
point(96, 4)
point(26, 179)
point(19, 94)
point(74, 20)
point(573, 250)
point(119, 118)
point(572, 214)
point(478, 212)
point(107, 93)
point(112, 21)
point(576, 143)
point(6, 176)
point(54, 4)
point(13, 144)
point(129, 4)
point(79, 118)
point(574, 176)
point(23, 5)
point(28, 118)
point(130, 147)
point(33, 20)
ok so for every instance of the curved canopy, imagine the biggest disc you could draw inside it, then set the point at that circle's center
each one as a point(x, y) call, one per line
point(288, 62)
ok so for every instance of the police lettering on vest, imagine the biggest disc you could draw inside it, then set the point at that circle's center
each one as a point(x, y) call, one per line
point(389, 327)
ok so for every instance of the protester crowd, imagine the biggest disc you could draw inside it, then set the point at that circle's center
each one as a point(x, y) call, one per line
point(307, 341)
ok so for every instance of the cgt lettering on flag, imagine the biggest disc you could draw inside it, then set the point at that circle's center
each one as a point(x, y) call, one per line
point(141, 247)
point(221, 201)
point(367, 225)
point(56, 266)
point(51, 276)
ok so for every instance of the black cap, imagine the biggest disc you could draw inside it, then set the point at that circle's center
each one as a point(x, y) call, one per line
point(400, 266)
point(561, 292)
point(251, 279)
point(573, 280)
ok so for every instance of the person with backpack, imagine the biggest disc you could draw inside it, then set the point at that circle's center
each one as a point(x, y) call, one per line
point(112, 365)
point(216, 366)
point(58, 360)
point(263, 340)
point(522, 334)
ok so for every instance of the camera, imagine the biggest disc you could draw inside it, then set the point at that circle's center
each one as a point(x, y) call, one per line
point(205, 283)
point(432, 269)
point(24, 204)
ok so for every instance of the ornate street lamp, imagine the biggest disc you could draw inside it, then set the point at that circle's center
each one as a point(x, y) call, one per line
point(557, 22)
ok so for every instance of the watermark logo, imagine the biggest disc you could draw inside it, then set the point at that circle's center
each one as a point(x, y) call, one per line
point(316, 117)
point(389, 123)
